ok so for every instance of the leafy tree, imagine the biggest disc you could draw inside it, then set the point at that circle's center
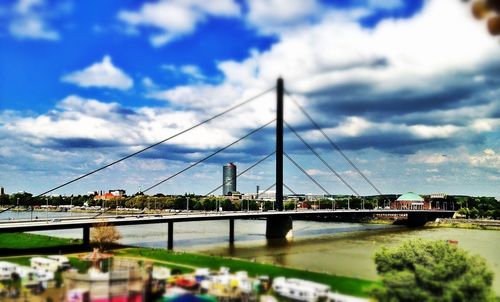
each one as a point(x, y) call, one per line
point(465, 212)
point(4, 200)
point(436, 271)
point(474, 213)
point(289, 205)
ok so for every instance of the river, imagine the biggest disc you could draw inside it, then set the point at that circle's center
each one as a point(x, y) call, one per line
point(339, 248)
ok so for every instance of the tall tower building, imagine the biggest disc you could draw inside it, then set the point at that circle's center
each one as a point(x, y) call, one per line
point(228, 178)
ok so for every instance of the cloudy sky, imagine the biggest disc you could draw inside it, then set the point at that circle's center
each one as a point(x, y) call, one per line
point(408, 89)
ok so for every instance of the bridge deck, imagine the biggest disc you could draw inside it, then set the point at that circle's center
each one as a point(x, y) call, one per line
point(85, 222)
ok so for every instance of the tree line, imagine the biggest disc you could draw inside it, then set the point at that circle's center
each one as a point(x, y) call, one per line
point(471, 207)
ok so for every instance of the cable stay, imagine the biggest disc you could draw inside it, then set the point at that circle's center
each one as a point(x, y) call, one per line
point(289, 189)
point(307, 174)
point(321, 159)
point(242, 172)
point(268, 188)
point(162, 141)
point(151, 146)
point(199, 161)
point(334, 145)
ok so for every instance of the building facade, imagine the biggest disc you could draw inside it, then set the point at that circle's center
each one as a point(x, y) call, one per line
point(410, 201)
point(228, 178)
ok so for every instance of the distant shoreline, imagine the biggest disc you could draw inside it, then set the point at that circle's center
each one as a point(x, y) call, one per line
point(459, 223)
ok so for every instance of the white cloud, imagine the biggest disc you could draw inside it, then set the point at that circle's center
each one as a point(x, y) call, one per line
point(176, 18)
point(29, 21)
point(100, 74)
point(77, 118)
point(427, 132)
point(192, 71)
point(316, 172)
point(275, 15)
point(486, 159)
point(332, 53)
point(148, 82)
point(430, 159)
point(485, 124)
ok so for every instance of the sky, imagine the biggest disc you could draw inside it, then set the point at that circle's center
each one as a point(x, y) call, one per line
point(409, 90)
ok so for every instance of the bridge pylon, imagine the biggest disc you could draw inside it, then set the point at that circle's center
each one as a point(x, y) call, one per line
point(279, 144)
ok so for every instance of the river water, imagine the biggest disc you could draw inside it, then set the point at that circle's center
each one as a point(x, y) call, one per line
point(339, 248)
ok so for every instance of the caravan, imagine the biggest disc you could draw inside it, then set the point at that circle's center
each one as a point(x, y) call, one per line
point(300, 290)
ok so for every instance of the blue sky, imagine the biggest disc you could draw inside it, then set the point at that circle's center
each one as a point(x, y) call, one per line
point(413, 100)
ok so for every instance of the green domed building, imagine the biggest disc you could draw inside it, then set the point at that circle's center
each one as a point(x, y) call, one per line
point(410, 201)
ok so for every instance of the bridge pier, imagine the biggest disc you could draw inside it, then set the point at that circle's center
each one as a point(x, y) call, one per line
point(86, 236)
point(231, 231)
point(170, 243)
point(279, 227)
point(417, 219)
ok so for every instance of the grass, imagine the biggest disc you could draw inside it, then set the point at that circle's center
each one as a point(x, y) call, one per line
point(462, 225)
point(21, 260)
point(346, 285)
point(184, 262)
point(26, 241)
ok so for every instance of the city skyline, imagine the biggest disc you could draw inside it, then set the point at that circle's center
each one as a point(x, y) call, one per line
point(411, 99)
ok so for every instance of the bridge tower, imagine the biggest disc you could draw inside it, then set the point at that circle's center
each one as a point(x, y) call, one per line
point(279, 226)
point(279, 144)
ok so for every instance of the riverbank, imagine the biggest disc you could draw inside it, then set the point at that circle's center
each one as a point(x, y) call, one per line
point(474, 224)
point(186, 261)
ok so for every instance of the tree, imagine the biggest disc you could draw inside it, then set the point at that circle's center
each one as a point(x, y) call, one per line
point(464, 211)
point(420, 270)
point(104, 235)
point(474, 213)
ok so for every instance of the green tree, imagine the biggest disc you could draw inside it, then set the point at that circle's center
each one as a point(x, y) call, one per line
point(474, 213)
point(464, 211)
point(436, 271)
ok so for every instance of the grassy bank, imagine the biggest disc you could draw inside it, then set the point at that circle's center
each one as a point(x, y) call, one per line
point(463, 225)
point(347, 285)
point(28, 241)
point(185, 262)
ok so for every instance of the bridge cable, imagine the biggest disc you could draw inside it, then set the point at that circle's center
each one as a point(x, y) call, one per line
point(307, 174)
point(153, 145)
point(242, 172)
point(321, 158)
point(334, 145)
point(200, 161)
point(162, 141)
point(268, 188)
point(289, 189)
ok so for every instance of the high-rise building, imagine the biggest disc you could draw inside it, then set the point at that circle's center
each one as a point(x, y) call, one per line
point(228, 178)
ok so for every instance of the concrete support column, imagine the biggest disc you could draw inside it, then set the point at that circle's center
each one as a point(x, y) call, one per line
point(231, 231)
point(86, 236)
point(279, 227)
point(170, 244)
point(417, 219)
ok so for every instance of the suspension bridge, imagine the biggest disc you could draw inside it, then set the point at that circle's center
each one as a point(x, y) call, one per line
point(279, 222)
